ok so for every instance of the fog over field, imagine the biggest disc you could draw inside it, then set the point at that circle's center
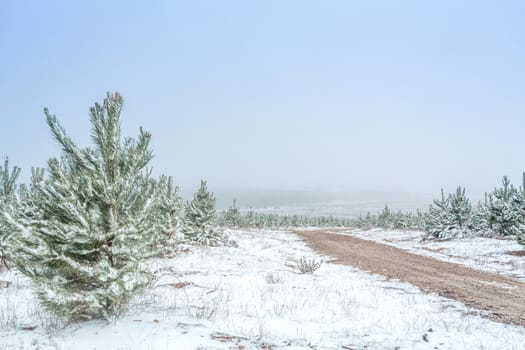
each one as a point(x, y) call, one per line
point(348, 98)
point(348, 204)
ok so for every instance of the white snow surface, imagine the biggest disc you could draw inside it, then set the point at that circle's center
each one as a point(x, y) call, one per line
point(252, 297)
point(482, 253)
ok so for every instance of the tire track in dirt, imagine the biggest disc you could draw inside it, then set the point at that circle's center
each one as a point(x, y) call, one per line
point(503, 297)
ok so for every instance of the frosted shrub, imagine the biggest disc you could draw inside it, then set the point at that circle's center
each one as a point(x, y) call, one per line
point(272, 278)
point(308, 266)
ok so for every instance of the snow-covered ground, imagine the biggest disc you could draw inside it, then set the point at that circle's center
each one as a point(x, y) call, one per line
point(252, 297)
point(488, 254)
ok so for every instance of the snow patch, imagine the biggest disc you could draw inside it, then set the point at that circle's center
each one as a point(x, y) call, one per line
point(251, 297)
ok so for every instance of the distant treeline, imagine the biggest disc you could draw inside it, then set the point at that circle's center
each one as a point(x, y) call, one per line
point(234, 218)
point(501, 213)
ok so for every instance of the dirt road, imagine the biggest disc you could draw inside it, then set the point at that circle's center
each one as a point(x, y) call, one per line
point(503, 297)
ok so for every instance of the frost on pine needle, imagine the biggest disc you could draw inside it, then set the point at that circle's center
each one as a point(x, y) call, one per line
point(86, 225)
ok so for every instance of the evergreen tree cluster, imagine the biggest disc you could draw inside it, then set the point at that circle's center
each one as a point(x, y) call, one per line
point(450, 216)
point(233, 217)
point(501, 213)
point(84, 228)
point(388, 219)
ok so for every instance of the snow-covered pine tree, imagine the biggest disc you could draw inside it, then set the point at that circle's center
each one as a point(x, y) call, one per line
point(520, 199)
point(8, 204)
point(370, 220)
point(232, 216)
point(399, 220)
point(479, 222)
point(460, 211)
point(420, 219)
point(506, 211)
point(199, 219)
point(250, 218)
point(410, 220)
point(259, 220)
point(169, 208)
point(360, 222)
point(384, 218)
point(450, 216)
point(85, 229)
point(294, 221)
point(438, 218)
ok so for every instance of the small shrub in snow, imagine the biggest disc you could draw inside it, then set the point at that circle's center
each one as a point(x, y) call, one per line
point(230, 243)
point(272, 278)
point(308, 266)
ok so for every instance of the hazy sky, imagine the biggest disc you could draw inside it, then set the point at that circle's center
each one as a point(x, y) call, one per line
point(305, 95)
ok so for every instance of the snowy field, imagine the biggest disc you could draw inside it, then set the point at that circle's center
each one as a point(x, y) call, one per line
point(487, 254)
point(252, 297)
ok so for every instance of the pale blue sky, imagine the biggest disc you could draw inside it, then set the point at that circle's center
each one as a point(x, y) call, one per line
point(306, 95)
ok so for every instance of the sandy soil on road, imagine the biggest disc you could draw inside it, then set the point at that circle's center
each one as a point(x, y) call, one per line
point(503, 297)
